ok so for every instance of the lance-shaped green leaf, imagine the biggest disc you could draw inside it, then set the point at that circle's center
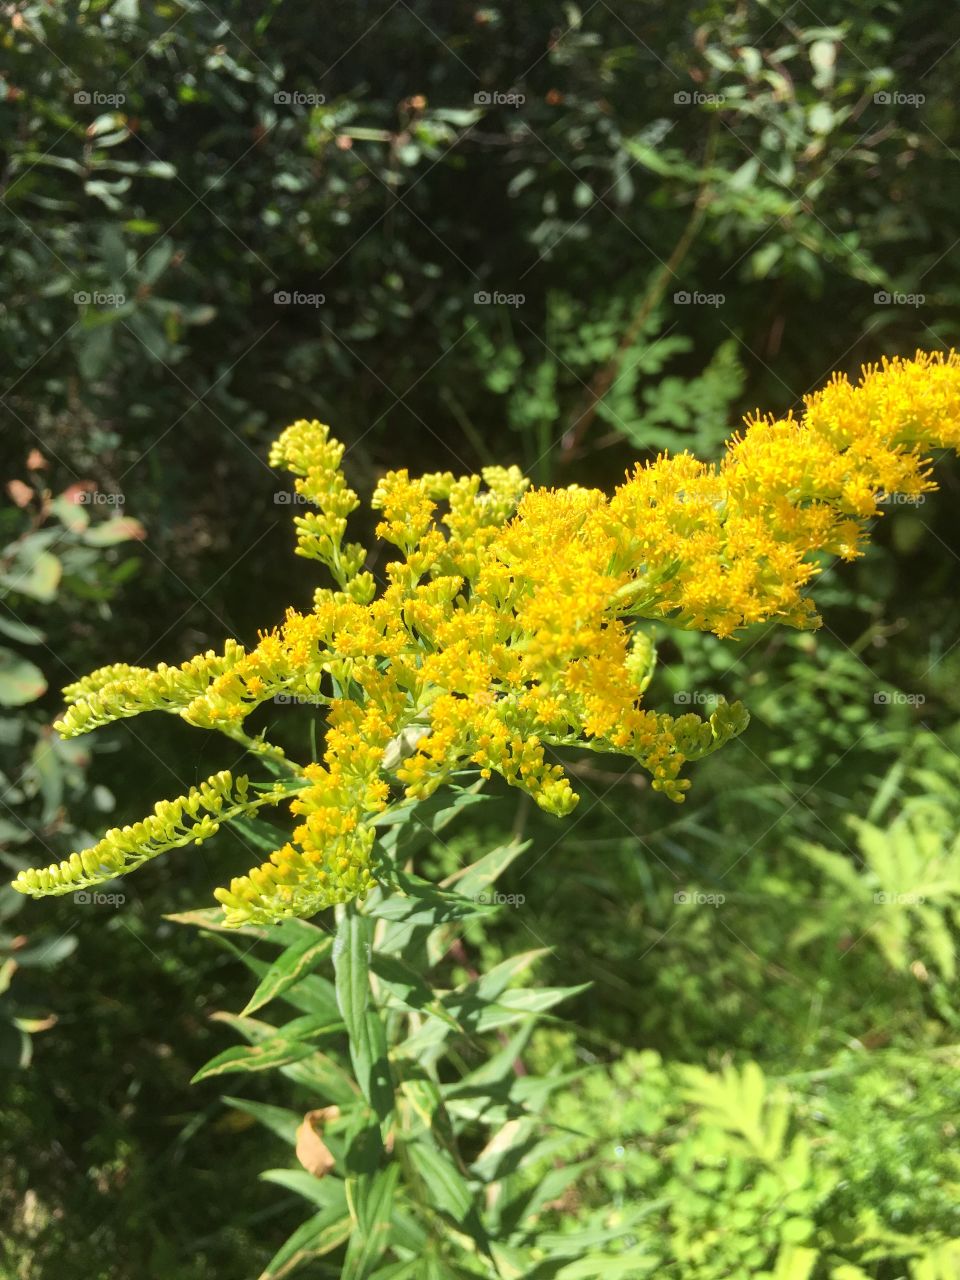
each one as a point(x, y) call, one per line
point(513, 1005)
point(480, 875)
point(619, 1266)
point(287, 970)
point(513, 1096)
point(319, 1235)
point(576, 1244)
point(419, 902)
point(448, 1191)
point(497, 1070)
point(316, 1072)
point(277, 1052)
point(513, 1141)
point(20, 631)
point(407, 826)
point(478, 1015)
point(472, 884)
point(403, 982)
point(323, 1192)
point(278, 1120)
point(368, 1042)
point(413, 1269)
point(414, 914)
point(289, 1044)
point(528, 1202)
point(372, 1197)
point(310, 993)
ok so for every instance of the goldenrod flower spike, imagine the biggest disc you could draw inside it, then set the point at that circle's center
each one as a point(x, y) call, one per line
point(515, 621)
point(189, 819)
point(309, 452)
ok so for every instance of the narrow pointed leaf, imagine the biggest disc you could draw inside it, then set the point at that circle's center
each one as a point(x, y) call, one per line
point(289, 967)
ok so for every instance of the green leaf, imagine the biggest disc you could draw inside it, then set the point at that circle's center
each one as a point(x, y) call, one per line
point(37, 576)
point(613, 1266)
point(414, 1269)
point(422, 903)
point(289, 967)
point(405, 984)
point(110, 532)
point(157, 260)
point(94, 350)
point(310, 994)
point(514, 1004)
point(44, 955)
point(448, 1189)
point(497, 1069)
point(318, 1072)
point(278, 1120)
point(15, 1047)
point(283, 934)
point(373, 1205)
point(794, 1262)
point(321, 1191)
point(478, 1013)
point(260, 834)
point(473, 879)
point(269, 1047)
point(255, 1057)
point(368, 1044)
point(113, 252)
point(21, 632)
point(492, 984)
point(20, 680)
point(414, 823)
point(317, 1236)
point(351, 964)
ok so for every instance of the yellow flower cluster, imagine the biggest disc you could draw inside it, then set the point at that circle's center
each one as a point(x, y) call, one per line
point(513, 623)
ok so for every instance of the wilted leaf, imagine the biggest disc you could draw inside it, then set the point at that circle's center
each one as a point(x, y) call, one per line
point(21, 493)
point(312, 1152)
